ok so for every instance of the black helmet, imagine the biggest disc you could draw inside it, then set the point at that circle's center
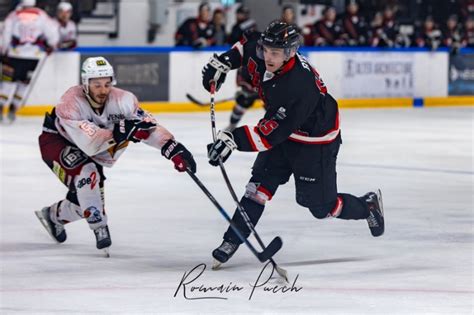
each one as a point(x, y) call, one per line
point(280, 34)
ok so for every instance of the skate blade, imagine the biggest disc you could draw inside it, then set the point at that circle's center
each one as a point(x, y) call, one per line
point(379, 199)
point(39, 215)
point(216, 265)
point(106, 252)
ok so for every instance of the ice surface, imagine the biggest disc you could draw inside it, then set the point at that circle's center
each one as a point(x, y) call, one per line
point(162, 226)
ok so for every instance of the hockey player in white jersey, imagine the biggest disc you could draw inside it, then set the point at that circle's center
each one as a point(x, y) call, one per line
point(28, 34)
point(66, 27)
point(90, 128)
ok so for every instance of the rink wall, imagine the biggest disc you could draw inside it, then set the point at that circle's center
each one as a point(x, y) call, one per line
point(359, 78)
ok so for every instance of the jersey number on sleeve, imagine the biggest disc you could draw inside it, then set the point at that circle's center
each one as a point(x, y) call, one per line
point(267, 126)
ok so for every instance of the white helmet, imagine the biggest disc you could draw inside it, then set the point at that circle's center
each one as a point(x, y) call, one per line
point(28, 3)
point(96, 67)
point(64, 6)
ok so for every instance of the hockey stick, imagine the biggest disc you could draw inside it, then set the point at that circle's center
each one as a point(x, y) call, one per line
point(282, 272)
point(267, 252)
point(198, 102)
point(33, 79)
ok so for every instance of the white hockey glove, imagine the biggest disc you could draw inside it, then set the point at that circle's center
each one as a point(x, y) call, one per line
point(215, 70)
point(221, 148)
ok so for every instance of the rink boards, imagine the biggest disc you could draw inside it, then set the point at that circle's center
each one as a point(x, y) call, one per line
point(161, 77)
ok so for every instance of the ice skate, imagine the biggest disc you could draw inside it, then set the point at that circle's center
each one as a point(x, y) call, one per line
point(11, 113)
point(223, 253)
point(376, 216)
point(57, 231)
point(103, 240)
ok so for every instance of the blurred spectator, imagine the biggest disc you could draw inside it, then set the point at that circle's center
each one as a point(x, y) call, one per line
point(354, 26)
point(288, 14)
point(67, 28)
point(467, 9)
point(196, 32)
point(429, 36)
point(219, 35)
point(385, 32)
point(326, 31)
point(452, 35)
point(244, 23)
point(468, 38)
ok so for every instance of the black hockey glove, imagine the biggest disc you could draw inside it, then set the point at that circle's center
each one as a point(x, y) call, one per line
point(215, 70)
point(132, 129)
point(221, 148)
point(179, 155)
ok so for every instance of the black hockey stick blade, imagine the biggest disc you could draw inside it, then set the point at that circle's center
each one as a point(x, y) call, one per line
point(195, 101)
point(272, 248)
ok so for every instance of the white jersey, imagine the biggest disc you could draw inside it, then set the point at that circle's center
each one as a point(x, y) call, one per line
point(93, 133)
point(67, 34)
point(26, 31)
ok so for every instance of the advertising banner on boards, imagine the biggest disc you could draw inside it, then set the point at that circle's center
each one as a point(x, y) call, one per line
point(378, 74)
point(461, 74)
point(145, 75)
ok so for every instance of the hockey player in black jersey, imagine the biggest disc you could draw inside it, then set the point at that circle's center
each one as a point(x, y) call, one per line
point(246, 95)
point(299, 135)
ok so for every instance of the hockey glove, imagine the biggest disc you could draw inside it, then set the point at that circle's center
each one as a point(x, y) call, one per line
point(221, 148)
point(179, 155)
point(133, 130)
point(215, 70)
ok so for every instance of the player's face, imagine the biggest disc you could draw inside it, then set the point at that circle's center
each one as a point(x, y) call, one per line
point(288, 16)
point(64, 15)
point(274, 58)
point(99, 89)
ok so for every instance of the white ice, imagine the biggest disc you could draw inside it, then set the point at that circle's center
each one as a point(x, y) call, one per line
point(162, 226)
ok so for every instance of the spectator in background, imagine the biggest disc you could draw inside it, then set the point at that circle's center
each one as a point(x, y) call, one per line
point(196, 32)
point(67, 28)
point(385, 33)
point(219, 36)
point(467, 9)
point(244, 23)
point(429, 36)
point(327, 32)
point(468, 38)
point(354, 26)
point(288, 14)
point(452, 35)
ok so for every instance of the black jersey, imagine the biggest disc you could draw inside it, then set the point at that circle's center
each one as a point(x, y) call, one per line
point(298, 107)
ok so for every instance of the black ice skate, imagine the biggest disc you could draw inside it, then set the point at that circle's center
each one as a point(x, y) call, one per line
point(376, 217)
point(11, 113)
point(57, 231)
point(103, 240)
point(223, 253)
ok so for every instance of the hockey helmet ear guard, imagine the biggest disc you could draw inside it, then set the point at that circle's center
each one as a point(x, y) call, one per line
point(96, 67)
point(279, 34)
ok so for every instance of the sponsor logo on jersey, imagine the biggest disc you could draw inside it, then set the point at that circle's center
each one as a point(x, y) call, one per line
point(92, 214)
point(307, 179)
point(91, 180)
point(72, 157)
point(115, 117)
